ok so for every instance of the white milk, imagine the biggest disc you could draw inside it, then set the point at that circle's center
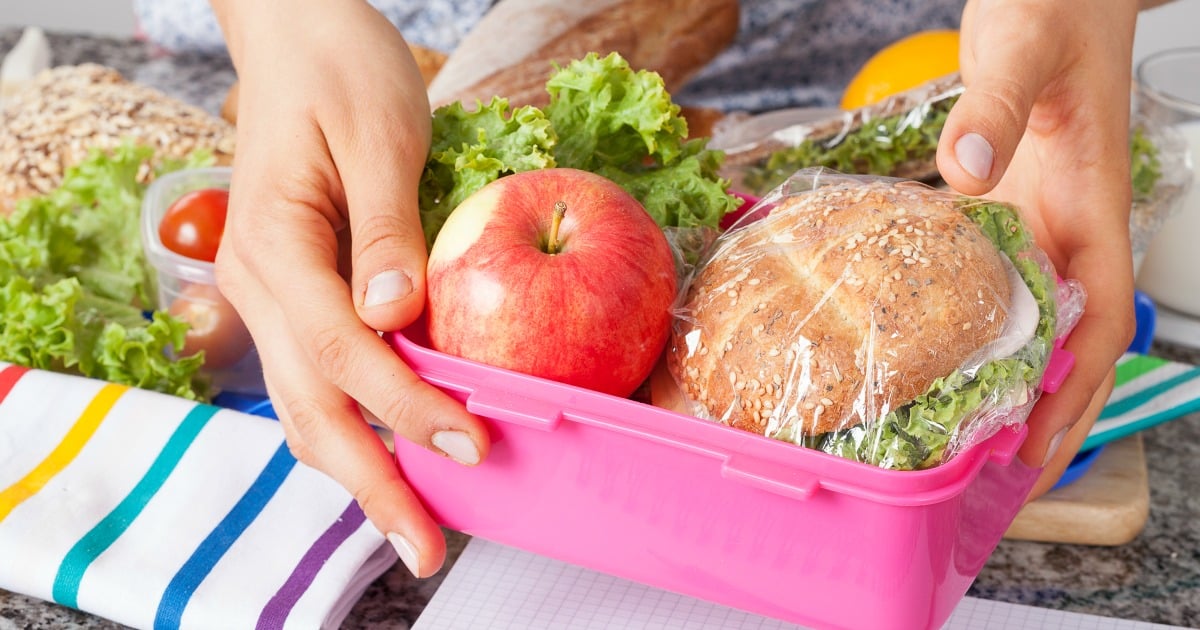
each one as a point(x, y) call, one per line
point(1170, 271)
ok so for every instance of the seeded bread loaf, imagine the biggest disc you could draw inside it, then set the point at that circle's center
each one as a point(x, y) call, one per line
point(511, 52)
point(52, 122)
point(841, 305)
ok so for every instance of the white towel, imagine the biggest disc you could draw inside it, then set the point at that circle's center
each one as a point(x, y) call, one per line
point(157, 512)
point(1149, 390)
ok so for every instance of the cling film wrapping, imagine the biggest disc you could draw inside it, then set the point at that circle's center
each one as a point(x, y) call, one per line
point(896, 137)
point(873, 318)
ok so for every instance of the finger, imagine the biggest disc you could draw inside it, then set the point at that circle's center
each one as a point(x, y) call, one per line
point(301, 277)
point(1097, 341)
point(325, 430)
point(388, 252)
point(1058, 457)
point(1005, 68)
point(1093, 248)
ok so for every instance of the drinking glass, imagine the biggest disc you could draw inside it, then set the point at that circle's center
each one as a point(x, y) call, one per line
point(1168, 94)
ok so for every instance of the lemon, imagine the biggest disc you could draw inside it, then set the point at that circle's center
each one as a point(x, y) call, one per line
point(903, 65)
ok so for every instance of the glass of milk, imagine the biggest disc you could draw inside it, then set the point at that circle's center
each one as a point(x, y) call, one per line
point(1168, 92)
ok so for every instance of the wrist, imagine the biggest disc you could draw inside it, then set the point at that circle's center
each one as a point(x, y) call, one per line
point(243, 23)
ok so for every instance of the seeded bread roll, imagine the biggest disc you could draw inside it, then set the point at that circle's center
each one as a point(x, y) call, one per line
point(841, 305)
point(52, 122)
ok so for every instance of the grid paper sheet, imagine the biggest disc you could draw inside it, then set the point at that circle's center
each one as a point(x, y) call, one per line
point(502, 588)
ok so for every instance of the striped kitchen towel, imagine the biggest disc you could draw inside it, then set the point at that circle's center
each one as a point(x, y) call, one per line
point(1149, 390)
point(156, 512)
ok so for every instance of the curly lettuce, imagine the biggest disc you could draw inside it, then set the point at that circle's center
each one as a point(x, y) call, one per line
point(471, 149)
point(74, 282)
point(602, 117)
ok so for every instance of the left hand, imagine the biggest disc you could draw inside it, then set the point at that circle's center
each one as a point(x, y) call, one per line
point(1044, 124)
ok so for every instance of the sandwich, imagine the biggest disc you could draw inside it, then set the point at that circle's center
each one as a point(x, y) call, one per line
point(896, 137)
point(876, 319)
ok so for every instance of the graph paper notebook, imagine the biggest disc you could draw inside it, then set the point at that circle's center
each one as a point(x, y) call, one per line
point(501, 588)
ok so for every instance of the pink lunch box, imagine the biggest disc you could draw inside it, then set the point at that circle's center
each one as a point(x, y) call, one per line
point(705, 510)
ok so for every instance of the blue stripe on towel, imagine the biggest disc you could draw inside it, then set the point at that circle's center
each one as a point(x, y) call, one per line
point(106, 532)
point(206, 556)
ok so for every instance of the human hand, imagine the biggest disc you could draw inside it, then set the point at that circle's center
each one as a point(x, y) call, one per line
point(1044, 124)
point(323, 247)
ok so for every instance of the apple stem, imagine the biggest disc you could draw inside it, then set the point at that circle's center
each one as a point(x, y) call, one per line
point(560, 210)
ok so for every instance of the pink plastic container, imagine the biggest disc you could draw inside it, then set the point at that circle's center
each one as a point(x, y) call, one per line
point(713, 512)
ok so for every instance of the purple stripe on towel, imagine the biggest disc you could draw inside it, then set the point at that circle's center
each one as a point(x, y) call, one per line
point(277, 610)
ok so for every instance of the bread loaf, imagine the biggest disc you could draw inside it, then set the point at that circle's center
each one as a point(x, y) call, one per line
point(52, 122)
point(512, 51)
point(839, 306)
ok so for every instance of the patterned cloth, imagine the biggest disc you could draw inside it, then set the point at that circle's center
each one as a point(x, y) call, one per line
point(788, 53)
point(157, 512)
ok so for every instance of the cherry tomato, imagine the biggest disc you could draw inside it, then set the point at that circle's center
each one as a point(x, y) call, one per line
point(214, 326)
point(194, 224)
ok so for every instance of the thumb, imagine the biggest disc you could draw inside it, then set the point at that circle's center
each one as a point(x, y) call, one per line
point(388, 258)
point(387, 244)
point(1005, 69)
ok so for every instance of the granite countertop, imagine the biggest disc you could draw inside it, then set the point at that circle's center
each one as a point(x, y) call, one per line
point(1154, 578)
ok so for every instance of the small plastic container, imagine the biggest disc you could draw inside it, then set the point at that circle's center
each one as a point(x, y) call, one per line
point(186, 283)
point(713, 512)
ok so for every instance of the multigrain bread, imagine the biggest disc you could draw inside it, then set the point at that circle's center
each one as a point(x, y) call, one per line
point(839, 306)
point(512, 51)
point(52, 122)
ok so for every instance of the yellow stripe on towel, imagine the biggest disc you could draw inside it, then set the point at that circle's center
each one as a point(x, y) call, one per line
point(66, 451)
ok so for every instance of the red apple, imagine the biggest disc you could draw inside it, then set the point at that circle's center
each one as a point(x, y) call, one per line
point(584, 299)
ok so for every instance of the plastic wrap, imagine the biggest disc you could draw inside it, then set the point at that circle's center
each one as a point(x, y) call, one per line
point(896, 137)
point(874, 318)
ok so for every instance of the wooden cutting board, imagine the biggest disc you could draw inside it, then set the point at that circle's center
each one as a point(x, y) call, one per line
point(1108, 505)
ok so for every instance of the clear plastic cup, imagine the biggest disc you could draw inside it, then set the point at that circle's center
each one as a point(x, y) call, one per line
point(1168, 93)
point(187, 288)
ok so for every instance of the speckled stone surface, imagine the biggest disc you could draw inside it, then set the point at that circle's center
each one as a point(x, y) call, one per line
point(1155, 578)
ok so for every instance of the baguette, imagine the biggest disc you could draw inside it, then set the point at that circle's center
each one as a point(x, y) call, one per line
point(512, 51)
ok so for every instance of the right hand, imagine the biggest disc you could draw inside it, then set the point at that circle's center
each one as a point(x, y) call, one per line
point(333, 131)
point(1044, 124)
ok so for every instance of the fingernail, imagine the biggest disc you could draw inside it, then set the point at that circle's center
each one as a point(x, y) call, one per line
point(1055, 442)
point(407, 553)
point(974, 155)
point(387, 286)
point(457, 445)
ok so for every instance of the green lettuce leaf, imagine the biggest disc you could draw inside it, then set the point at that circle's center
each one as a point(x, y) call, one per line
point(602, 117)
point(608, 115)
point(471, 149)
point(74, 281)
